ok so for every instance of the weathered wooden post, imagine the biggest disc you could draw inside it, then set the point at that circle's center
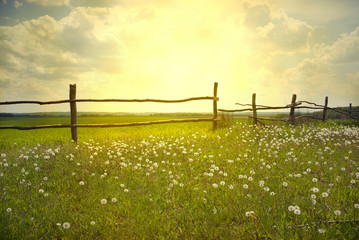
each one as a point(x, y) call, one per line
point(325, 109)
point(254, 109)
point(350, 110)
point(73, 111)
point(215, 99)
point(291, 114)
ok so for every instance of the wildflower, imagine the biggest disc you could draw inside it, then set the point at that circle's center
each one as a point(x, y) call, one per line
point(297, 211)
point(245, 186)
point(113, 200)
point(214, 210)
point(92, 223)
point(285, 184)
point(337, 212)
point(314, 180)
point(321, 230)
point(352, 181)
point(41, 191)
point(82, 183)
point(8, 210)
point(291, 208)
point(272, 193)
point(324, 194)
point(222, 183)
point(126, 190)
point(66, 225)
point(215, 185)
point(103, 201)
point(315, 190)
point(261, 183)
point(356, 205)
point(249, 213)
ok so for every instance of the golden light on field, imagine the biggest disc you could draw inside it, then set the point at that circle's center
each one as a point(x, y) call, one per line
point(178, 49)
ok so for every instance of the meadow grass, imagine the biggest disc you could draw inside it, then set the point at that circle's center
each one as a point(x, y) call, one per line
point(181, 181)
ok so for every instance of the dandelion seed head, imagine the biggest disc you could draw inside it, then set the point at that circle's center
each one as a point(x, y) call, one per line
point(66, 225)
point(337, 212)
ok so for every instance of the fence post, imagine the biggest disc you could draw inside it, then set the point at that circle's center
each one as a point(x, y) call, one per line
point(254, 109)
point(73, 111)
point(325, 109)
point(350, 110)
point(291, 114)
point(215, 106)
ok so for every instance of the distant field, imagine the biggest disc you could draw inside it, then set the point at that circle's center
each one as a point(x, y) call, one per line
point(59, 135)
point(179, 181)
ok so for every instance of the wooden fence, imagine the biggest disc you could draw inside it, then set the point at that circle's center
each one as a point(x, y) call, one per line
point(292, 106)
point(73, 110)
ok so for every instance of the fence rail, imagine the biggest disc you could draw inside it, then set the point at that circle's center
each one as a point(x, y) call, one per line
point(73, 110)
point(292, 106)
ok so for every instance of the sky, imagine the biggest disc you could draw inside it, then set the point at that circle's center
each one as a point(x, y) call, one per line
point(175, 49)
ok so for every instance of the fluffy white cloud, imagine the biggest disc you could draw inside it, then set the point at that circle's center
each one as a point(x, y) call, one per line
point(17, 4)
point(276, 30)
point(333, 70)
point(50, 2)
point(344, 50)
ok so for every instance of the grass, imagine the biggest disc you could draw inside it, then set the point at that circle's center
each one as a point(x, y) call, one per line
point(181, 181)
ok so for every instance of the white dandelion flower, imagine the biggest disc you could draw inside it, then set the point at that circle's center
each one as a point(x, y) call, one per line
point(337, 212)
point(66, 225)
point(103, 201)
point(249, 213)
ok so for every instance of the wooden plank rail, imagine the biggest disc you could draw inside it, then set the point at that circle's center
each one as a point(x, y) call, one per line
point(73, 110)
point(294, 105)
point(111, 100)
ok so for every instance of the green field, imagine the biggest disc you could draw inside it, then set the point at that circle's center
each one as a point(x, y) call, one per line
point(179, 181)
